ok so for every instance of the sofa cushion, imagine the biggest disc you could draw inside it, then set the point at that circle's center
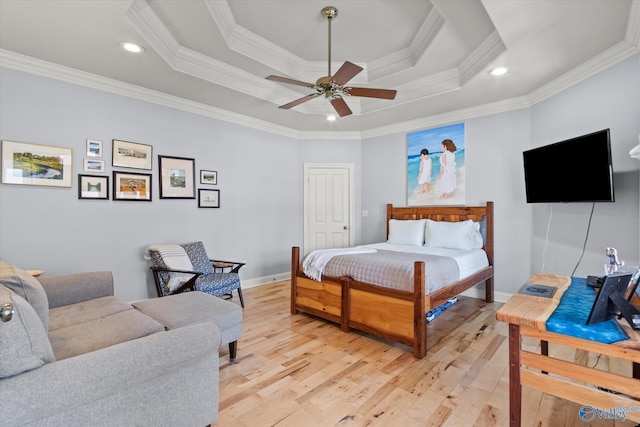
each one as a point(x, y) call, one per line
point(23, 340)
point(100, 333)
point(187, 308)
point(25, 285)
point(87, 311)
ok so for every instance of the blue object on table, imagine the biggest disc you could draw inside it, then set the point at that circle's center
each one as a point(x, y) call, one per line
point(570, 317)
point(432, 314)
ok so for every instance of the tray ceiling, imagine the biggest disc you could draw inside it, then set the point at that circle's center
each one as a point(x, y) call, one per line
point(212, 56)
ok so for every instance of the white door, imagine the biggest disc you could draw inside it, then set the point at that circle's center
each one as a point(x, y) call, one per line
point(328, 211)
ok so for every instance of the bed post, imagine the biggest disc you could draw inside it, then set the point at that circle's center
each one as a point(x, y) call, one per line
point(389, 207)
point(488, 285)
point(419, 317)
point(295, 264)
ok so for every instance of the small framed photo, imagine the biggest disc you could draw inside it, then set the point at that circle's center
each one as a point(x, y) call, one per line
point(93, 165)
point(208, 198)
point(131, 155)
point(94, 148)
point(208, 177)
point(33, 164)
point(93, 187)
point(131, 186)
point(177, 177)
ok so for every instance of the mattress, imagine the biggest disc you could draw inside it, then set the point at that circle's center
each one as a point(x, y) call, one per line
point(469, 261)
point(392, 266)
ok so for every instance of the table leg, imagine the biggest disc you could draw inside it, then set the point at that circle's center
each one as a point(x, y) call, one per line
point(515, 387)
point(544, 350)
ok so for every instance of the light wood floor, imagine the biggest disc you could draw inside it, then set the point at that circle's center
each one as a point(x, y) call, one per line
point(296, 370)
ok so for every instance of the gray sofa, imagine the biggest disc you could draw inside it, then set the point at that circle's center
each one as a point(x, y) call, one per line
point(71, 354)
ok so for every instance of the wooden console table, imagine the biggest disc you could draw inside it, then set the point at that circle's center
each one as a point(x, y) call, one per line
point(527, 316)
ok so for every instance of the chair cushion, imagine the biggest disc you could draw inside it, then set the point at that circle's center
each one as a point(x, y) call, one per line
point(28, 287)
point(218, 283)
point(24, 344)
point(199, 258)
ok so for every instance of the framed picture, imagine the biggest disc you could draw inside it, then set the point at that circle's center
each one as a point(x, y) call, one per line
point(131, 186)
point(177, 178)
point(93, 187)
point(93, 165)
point(33, 164)
point(94, 148)
point(208, 198)
point(131, 155)
point(208, 177)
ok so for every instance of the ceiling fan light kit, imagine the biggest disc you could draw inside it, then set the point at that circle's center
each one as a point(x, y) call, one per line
point(334, 88)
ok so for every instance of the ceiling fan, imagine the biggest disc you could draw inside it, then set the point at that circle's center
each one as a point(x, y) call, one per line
point(334, 88)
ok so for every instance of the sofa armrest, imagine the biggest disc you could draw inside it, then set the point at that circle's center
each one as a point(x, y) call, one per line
point(168, 378)
point(75, 288)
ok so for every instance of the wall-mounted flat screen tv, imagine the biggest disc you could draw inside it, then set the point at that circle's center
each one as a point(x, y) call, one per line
point(575, 170)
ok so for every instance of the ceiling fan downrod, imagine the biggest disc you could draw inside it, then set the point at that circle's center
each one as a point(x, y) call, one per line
point(329, 13)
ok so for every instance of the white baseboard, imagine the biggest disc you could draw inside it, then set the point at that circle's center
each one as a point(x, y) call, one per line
point(478, 292)
point(259, 281)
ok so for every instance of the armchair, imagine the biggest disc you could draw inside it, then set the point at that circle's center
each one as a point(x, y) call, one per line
point(187, 267)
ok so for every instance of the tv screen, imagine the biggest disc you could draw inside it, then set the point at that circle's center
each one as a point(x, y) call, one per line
point(574, 170)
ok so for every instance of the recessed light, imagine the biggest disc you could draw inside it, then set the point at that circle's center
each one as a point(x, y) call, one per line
point(331, 117)
point(498, 71)
point(132, 47)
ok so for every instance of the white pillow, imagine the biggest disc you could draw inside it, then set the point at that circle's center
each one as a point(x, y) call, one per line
point(406, 232)
point(453, 235)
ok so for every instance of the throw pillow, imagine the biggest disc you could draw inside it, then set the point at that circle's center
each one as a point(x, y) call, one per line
point(24, 344)
point(453, 235)
point(406, 232)
point(28, 287)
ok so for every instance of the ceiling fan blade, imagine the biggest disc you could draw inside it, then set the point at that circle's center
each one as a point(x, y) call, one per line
point(341, 107)
point(370, 92)
point(299, 101)
point(289, 81)
point(345, 73)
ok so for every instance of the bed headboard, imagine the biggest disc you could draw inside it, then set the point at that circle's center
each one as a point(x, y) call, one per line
point(482, 214)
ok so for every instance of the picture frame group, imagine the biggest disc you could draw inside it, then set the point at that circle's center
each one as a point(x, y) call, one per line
point(37, 164)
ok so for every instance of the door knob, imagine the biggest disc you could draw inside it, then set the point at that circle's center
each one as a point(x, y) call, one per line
point(345, 227)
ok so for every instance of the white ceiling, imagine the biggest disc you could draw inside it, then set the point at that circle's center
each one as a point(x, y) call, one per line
point(212, 56)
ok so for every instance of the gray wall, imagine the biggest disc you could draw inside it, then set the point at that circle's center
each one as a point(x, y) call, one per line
point(610, 99)
point(493, 150)
point(494, 146)
point(260, 178)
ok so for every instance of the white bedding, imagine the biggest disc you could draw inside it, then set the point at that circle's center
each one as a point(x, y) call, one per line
point(469, 261)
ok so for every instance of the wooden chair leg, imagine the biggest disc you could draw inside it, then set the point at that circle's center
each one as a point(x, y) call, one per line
point(240, 295)
point(233, 349)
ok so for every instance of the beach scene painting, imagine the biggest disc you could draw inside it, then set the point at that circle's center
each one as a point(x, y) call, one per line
point(436, 166)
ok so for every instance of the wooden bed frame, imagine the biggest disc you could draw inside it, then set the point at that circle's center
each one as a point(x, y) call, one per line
point(391, 314)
